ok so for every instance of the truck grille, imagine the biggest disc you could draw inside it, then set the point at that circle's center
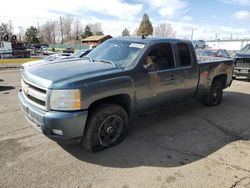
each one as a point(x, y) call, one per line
point(36, 96)
point(244, 62)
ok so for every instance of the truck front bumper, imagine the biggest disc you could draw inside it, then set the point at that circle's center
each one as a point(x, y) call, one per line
point(59, 126)
point(241, 71)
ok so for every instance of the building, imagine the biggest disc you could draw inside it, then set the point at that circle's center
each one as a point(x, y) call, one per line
point(95, 40)
point(231, 45)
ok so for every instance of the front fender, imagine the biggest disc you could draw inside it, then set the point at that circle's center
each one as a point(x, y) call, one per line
point(101, 89)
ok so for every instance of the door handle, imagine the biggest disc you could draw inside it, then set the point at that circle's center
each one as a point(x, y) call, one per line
point(172, 77)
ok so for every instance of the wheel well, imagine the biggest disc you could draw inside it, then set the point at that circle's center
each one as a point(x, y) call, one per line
point(222, 78)
point(123, 100)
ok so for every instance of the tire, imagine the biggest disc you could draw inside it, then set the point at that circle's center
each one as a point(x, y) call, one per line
point(106, 127)
point(196, 47)
point(214, 96)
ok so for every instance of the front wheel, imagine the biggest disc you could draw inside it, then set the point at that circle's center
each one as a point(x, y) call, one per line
point(106, 127)
point(215, 94)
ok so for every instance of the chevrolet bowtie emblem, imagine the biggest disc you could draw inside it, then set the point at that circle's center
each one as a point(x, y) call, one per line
point(26, 89)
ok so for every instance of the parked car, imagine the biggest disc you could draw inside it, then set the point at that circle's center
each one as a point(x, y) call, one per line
point(90, 101)
point(44, 50)
point(69, 50)
point(78, 54)
point(49, 58)
point(199, 44)
point(242, 63)
point(221, 53)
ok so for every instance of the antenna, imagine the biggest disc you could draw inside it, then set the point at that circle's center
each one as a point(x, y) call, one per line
point(143, 37)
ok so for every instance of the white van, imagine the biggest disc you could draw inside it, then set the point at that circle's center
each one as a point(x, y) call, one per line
point(5, 49)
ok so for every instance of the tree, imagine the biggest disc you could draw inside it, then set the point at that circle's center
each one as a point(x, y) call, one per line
point(99, 33)
point(165, 30)
point(6, 29)
point(21, 34)
point(48, 32)
point(67, 27)
point(31, 35)
point(125, 32)
point(96, 28)
point(77, 29)
point(87, 32)
point(146, 27)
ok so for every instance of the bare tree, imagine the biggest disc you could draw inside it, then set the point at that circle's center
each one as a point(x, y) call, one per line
point(165, 30)
point(21, 33)
point(67, 27)
point(61, 30)
point(48, 32)
point(77, 29)
point(135, 32)
point(95, 28)
point(6, 29)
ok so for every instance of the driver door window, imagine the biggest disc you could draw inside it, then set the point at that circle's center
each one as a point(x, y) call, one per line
point(161, 56)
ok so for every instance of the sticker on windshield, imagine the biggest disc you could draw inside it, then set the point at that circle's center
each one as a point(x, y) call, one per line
point(136, 45)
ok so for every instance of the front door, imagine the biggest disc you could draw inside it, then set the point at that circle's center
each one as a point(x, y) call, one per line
point(158, 85)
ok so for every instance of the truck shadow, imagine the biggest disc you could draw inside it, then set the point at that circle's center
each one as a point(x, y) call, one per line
point(242, 79)
point(6, 88)
point(177, 135)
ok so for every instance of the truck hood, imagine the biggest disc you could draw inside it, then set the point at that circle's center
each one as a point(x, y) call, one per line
point(240, 55)
point(45, 75)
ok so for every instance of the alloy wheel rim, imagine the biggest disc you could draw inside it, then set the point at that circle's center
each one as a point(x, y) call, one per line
point(110, 130)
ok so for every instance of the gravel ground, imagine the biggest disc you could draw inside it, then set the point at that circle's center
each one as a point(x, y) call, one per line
point(184, 146)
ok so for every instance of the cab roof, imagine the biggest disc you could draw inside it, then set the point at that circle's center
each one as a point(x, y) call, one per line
point(150, 39)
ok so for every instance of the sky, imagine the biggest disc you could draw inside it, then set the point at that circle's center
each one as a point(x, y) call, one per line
point(207, 18)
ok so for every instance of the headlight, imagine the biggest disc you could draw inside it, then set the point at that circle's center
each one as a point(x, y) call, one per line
point(65, 100)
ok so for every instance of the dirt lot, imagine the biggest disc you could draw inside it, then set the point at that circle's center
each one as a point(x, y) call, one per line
point(186, 146)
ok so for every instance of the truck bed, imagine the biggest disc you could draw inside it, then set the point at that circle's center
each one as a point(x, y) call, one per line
point(209, 70)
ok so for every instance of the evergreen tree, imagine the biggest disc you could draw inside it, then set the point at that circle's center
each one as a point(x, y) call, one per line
point(125, 32)
point(87, 32)
point(146, 27)
point(31, 35)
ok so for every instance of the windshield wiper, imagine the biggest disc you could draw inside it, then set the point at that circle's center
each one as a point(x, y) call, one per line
point(105, 61)
point(89, 58)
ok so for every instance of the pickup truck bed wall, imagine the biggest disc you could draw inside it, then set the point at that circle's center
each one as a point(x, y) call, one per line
point(211, 70)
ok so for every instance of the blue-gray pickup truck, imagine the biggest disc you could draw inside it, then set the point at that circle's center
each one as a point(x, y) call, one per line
point(91, 100)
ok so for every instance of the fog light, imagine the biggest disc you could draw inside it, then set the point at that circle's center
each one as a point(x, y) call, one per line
point(58, 132)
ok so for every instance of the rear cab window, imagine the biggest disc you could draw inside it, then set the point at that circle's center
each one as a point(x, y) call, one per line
point(184, 55)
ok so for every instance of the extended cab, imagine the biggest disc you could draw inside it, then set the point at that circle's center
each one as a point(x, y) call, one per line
point(91, 100)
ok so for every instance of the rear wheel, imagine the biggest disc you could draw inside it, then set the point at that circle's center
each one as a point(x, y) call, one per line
point(106, 127)
point(215, 94)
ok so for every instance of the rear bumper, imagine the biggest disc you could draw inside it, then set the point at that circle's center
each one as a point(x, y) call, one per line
point(66, 127)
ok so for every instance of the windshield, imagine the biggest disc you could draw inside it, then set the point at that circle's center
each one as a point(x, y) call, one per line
point(245, 50)
point(120, 53)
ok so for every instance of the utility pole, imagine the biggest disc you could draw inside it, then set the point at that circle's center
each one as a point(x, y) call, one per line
point(61, 29)
point(192, 35)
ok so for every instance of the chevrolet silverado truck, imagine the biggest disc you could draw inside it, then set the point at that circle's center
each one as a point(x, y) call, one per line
point(242, 63)
point(91, 100)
